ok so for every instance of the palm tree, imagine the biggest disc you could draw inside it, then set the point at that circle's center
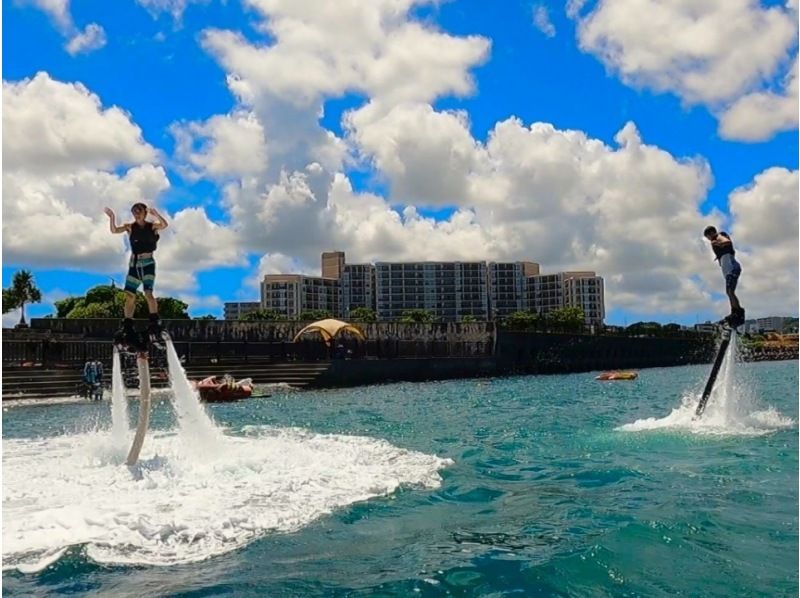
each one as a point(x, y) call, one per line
point(23, 290)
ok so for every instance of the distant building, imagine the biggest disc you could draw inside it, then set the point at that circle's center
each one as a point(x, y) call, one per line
point(546, 292)
point(508, 287)
point(773, 324)
point(750, 326)
point(448, 290)
point(706, 327)
point(358, 288)
point(235, 310)
point(292, 294)
point(583, 289)
point(332, 264)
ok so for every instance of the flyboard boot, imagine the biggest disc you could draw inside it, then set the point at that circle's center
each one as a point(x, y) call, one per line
point(155, 333)
point(127, 340)
point(733, 320)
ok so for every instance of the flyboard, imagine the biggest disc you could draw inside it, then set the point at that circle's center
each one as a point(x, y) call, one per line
point(143, 364)
point(727, 331)
point(142, 352)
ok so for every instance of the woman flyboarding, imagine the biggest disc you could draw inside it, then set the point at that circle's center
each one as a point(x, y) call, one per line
point(143, 237)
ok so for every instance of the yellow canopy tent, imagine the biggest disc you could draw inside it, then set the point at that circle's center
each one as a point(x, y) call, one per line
point(330, 328)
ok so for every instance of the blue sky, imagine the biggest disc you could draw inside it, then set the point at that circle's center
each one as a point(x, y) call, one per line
point(156, 68)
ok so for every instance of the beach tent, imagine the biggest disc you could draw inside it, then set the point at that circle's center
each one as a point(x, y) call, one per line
point(330, 328)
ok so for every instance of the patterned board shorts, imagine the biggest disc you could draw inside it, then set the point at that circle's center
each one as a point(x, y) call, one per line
point(141, 271)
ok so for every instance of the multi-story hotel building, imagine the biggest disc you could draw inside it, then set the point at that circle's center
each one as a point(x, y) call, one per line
point(508, 287)
point(332, 264)
point(292, 294)
point(449, 290)
point(587, 292)
point(235, 310)
point(358, 287)
point(547, 292)
point(772, 324)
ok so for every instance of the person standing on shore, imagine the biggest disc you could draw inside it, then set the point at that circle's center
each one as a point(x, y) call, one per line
point(93, 378)
point(143, 237)
point(722, 246)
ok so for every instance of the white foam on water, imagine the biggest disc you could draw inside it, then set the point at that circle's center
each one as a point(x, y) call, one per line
point(732, 408)
point(36, 562)
point(120, 426)
point(174, 507)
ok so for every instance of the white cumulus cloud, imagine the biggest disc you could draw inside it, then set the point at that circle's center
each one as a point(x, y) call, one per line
point(541, 19)
point(765, 234)
point(716, 52)
point(91, 38)
point(225, 145)
point(67, 157)
point(51, 126)
point(176, 8)
point(757, 116)
point(630, 211)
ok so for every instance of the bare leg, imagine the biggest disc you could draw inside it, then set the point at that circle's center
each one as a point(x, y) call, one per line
point(734, 300)
point(130, 304)
point(152, 304)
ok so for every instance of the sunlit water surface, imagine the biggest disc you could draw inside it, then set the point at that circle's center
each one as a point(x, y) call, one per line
point(549, 485)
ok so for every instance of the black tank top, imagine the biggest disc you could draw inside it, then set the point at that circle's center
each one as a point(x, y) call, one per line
point(719, 251)
point(143, 238)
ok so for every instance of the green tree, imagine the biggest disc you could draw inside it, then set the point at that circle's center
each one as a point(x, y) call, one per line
point(10, 302)
point(417, 316)
point(205, 317)
point(92, 310)
point(64, 306)
point(469, 319)
point(268, 315)
point(566, 318)
point(363, 314)
point(312, 315)
point(644, 328)
point(106, 299)
point(170, 308)
point(521, 320)
point(101, 294)
point(23, 290)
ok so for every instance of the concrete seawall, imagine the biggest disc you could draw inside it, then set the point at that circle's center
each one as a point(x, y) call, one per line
point(360, 372)
point(233, 330)
point(523, 353)
point(560, 353)
point(393, 352)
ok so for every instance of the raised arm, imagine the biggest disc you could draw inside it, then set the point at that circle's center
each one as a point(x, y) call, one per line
point(112, 221)
point(161, 222)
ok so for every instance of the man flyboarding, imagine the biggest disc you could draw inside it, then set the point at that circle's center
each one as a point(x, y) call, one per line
point(143, 237)
point(722, 246)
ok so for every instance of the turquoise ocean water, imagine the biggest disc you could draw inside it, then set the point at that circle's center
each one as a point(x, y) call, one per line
point(525, 486)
